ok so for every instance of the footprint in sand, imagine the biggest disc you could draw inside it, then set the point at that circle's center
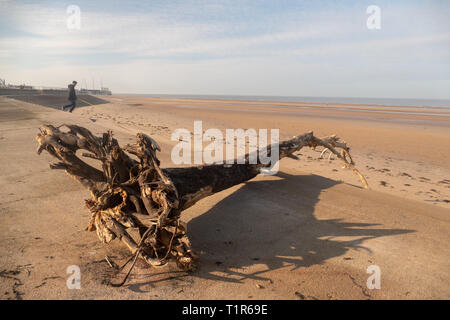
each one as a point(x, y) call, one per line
point(404, 174)
point(435, 201)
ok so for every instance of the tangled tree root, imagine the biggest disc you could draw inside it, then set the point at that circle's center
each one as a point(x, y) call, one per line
point(130, 193)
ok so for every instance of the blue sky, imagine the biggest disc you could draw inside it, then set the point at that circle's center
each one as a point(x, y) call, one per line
point(290, 48)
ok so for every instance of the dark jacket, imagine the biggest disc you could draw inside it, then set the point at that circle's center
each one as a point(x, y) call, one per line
point(72, 94)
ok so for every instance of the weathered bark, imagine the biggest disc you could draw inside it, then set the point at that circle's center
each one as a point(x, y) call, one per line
point(129, 193)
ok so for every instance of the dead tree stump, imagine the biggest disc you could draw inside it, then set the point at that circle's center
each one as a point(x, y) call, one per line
point(136, 193)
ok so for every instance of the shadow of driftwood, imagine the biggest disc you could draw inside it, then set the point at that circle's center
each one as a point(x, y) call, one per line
point(272, 222)
point(268, 222)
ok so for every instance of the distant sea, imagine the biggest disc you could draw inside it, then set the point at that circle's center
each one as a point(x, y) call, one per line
point(444, 103)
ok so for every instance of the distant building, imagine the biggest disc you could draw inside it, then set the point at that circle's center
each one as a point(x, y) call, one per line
point(103, 91)
point(21, 86)
point(42, 89)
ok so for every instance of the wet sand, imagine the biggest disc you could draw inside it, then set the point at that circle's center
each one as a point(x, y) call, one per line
point(309, 232)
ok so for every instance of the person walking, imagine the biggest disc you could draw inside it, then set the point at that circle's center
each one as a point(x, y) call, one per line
point(72, 97)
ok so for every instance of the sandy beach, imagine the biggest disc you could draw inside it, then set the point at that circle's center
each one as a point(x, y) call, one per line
point(313, 238)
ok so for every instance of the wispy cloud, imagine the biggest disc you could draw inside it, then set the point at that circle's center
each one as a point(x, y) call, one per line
point(219, 47)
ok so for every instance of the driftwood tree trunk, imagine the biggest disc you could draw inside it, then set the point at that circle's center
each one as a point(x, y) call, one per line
point(130, 193)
